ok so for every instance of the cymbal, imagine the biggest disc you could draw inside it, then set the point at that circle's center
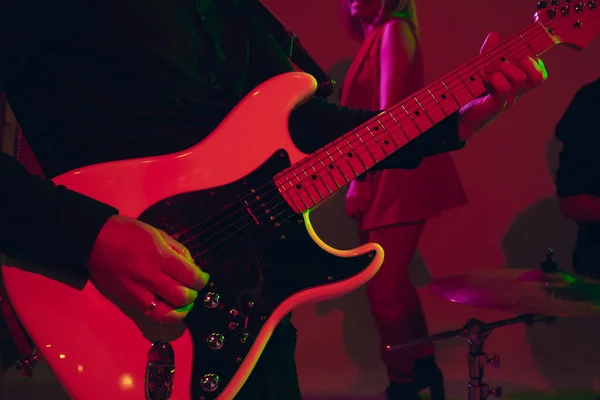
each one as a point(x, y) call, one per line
point(523, 291)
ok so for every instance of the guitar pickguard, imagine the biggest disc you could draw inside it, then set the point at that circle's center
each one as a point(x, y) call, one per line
point(258, 253)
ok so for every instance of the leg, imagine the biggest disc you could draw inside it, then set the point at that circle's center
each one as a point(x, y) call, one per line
point(394, 301)
point(275, 376)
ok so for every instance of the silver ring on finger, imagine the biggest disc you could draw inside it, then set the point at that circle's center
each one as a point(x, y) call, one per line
point(151, 307)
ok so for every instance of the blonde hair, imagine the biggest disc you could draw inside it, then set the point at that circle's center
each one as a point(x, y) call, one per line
point(403, 9)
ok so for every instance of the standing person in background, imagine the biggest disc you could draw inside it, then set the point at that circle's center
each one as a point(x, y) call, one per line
point(392, 205)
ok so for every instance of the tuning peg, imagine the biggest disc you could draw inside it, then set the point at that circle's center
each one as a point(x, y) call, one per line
point(542, 4)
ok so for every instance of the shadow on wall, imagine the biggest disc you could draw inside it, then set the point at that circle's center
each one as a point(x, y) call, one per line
point(536, 228)
point(360, 335)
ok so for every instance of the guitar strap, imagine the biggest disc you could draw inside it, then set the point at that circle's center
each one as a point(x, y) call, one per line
point(291, 46)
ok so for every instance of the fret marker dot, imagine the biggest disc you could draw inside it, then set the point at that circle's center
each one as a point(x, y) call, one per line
point(350, 155)
point(298, 186)
point(386, 142)
point(444, 96)
point(314, 177)
point(331, 166)
point(417, 113)
point(502, 59)
point(471, 78)
point(375, 128)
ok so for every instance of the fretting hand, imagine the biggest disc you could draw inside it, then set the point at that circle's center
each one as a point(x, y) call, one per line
point(507, 81)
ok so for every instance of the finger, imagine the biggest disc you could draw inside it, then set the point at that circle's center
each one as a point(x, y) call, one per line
point(176, 246)
point(498, 85)
point(492, 40)
point(179, 265)
point(185, 272)
point(515, 75)
point(172, 292)
point(162, 312)
point(535, 71)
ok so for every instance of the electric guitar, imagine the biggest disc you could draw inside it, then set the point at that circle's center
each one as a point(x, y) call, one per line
point(249, 198)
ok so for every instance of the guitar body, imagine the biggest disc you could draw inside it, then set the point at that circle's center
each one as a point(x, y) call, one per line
point(220, 200)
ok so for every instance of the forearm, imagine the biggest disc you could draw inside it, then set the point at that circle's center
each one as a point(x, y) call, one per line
point(43, 223)
point(581, 208)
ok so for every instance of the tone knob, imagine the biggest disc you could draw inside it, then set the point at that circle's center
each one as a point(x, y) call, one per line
point(209, 382)
point(211, 300)
point(215, 341)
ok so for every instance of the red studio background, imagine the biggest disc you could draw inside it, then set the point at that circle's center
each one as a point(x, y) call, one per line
point(510, 219)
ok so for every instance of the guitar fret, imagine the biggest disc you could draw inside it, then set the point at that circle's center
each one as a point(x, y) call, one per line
point(346, 160)
point(464, 84)
point(378, 143)
point(353, 151)
point(317, 174)
point(458, 104)
point(388, 133)
point(293, 195)
point(312, 182)
point(507, 50)
point(329, 173)
point(424, 109)
point(336, 166)
point(437, 102)
point(300, 188)
point(527, 44)
point(374, 160)
point(399, 126)
point(475, 69)
point(414, 123)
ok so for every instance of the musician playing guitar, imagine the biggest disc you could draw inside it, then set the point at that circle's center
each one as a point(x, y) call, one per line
point(95, 81)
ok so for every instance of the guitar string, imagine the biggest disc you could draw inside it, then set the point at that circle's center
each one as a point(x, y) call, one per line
point(404, 118)
point(505, 46)
point(246, 216)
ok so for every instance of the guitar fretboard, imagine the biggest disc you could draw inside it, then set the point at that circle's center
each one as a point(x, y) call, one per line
point(323, 173)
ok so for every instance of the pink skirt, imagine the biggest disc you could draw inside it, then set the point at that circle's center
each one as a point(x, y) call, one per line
point(402, 196)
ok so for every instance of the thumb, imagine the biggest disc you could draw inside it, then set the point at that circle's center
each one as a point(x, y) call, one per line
point(492, 40)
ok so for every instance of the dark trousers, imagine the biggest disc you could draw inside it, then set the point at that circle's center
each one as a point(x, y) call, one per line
point(275, 376)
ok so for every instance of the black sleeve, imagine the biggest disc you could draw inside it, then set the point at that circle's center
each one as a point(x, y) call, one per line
point(45, 223)
point(579, 164)
point(332, 121)
point(318, 122)
point(39, 221)
point(28, 27)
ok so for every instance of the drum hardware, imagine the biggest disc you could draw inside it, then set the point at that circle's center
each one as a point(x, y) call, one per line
point(476, 332)
point(542, 291)
point(26, 365)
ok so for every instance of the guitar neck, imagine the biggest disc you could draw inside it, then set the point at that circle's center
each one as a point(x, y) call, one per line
point(320, 175)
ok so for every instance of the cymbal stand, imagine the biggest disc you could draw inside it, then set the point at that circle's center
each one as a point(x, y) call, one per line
point(476, 332)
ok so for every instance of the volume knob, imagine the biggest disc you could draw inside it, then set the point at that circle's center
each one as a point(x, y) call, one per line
point(215, 341)
point(211, 300)
point(209, 382)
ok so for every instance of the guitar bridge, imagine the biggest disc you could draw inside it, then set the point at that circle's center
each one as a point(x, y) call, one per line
point(160, 371)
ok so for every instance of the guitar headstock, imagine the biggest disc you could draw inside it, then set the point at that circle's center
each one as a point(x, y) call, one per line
point(572, 22)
